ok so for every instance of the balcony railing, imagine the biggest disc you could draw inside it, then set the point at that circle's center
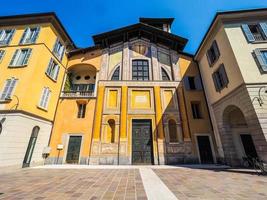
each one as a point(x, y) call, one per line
point(75, 94)
point(258, 37)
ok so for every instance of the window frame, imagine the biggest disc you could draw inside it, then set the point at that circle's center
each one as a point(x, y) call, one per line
point(24, 40)
point(53, 76)
point(81, 110)
point(250, 37)
point(10, 89)
point(16, 56)
point(196, 113)
point(55, 51)
point(8, 40)
point(260, 60)
point(45, 98)
point(117, 70)
point(141, 71)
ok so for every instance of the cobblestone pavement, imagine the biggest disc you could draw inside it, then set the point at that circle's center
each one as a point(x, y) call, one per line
point(190, 184)
point(72, 184)
point(119, 183)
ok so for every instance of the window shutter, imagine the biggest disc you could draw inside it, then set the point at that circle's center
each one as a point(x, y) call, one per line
point(56, 72)
point(260, 59)
point(215, 81)
point(6, 88)
point(216, 49)
point(198, 83)
point(12, 62)
point(26, 59)
point(224, 75)
point(47, 96)
point(208, 57)
point(36, 34)
point(10, 36)
point(49, 66)
point(11, 88)
point(42, 97)
point(186, 83)
point(264, 28)
point(62, 49)
point(22, 40)
point(248, 33)
point(55, 46)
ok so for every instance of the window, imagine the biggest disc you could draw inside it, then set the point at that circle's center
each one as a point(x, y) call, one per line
point(30, 35)
point(193, 82)
point(52, 70)
point(255, 32)
point(6, 36)
point(111, 131)
point(140, 70)
point(58, 49)
point(164, 74)
point(172, 131)
point(8, 89)
point(195, 106)
point(20, 57)
point(261, 56)
point(45, 98)
point(81, 110)
point(213, 53)
point(220, 78)
point(116, 74)
point(2, 53)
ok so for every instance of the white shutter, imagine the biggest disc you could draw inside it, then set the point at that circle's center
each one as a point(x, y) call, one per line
point(48, 70)
point(26, 59)
point(47, 96)
point(36, 34)
point(11, 88)
point(56, 72)
point(14, 58)
point(6, 88)
point(24, 36)
point(248, 33)
point(10, 36)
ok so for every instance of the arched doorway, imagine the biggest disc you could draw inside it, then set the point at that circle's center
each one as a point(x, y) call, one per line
point(237, 138)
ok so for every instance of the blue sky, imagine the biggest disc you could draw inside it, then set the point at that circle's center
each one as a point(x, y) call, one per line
point(84, 18)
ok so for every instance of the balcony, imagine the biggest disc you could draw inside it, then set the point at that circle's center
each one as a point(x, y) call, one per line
point(79, 91)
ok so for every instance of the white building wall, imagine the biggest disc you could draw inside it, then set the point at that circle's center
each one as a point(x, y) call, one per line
point(15, 137)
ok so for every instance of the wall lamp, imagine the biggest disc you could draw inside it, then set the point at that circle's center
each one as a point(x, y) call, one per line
point(259, 98)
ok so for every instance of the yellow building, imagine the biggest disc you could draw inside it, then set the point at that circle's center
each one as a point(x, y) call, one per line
point(124, 101)
point(32, 68)
point(132, 98)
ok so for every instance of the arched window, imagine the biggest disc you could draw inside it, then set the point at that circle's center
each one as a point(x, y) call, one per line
point(111, 130)
point(172, 131)
point(140, 70)
point(31, 145)
point(116, 74)
point(164, 74)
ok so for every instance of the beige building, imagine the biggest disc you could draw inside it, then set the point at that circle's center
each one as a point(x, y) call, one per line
point(233, 62)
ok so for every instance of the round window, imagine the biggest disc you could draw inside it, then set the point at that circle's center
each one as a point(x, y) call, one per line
point(87, 77)
point(78, 77)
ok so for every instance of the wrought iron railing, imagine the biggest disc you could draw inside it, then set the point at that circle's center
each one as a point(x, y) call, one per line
point(73, 94)
point(258, 37)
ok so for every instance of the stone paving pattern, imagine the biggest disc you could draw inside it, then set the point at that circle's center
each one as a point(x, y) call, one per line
point(81, 184)
point(93, 184)
point(191, 184)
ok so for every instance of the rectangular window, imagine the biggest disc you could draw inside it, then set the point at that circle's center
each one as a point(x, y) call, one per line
point(81, 110)
point(45, 98)
point(196, 111)
point(2, 53)
point(58, 49)
point(52, 69)
point(220, 78)
point(30, 35)
point(20, 57)
point(193, 82)
point(255, 32)
point(213, 53)
point(140, 70)
point(8, 89)
point(6, 36)
point(261, 56)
